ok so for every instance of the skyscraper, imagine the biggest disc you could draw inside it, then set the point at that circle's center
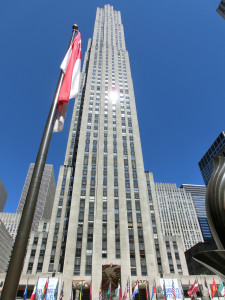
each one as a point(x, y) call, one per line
point(101, 228)
point(206, 163)
point(45, 196)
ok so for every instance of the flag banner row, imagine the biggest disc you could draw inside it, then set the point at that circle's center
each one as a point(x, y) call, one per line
point(51, 286)
point(47, 289)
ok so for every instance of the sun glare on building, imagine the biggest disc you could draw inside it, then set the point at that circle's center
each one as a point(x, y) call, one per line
point(114, 96)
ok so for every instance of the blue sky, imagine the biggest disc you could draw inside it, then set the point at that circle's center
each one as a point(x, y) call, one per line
point(176, 50)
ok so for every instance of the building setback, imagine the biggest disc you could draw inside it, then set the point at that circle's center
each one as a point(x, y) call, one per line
point(45, 196)
point(206, 163)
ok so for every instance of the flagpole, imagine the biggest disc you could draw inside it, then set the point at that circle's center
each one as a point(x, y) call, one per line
point(19, 250)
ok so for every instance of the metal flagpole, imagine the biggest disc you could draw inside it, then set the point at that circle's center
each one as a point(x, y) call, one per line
point(19, 250)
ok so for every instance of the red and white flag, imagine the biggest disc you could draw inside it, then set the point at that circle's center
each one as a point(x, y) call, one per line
point(126, 291)
point(173, 291)
point(33, 296)
point(193, 289)
point(70, 86)
point(119, 291)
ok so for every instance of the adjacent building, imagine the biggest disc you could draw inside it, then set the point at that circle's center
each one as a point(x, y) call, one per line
point(45, 196)
point(169, 248)
point(3, 196)
point(11, 222)
point(177, 213)
point(6, 243)
point(206, 163)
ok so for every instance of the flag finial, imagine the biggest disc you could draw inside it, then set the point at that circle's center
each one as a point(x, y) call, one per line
point(75, 26)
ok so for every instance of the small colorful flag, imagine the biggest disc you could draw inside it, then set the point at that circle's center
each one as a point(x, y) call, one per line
point(44, 292)
point(61, 293)
point(213, 289)
point(189, 289)
point(100, 294)
point(71, 294)
point(146, 290)
point(56, 291)
point(126, 291)
point(153, 289)
point(164, 290)
point(207, 287)
point(25, 292)
point(173, 291)
point(81, 292)
point(221, 288)
point(90, 292)
point(182, 289)
point(119, 291)
point(136, 291)
point(33, 296)
point(193, 288)
point(109, 291)
point(70, 86)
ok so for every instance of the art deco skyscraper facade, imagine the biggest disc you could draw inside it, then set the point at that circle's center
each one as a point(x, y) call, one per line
point(101, 227)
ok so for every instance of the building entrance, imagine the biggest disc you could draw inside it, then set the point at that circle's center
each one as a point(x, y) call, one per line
point(81, 287)
point(111, 276)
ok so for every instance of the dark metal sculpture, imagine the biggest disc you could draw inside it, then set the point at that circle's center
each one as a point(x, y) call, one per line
point(215, 209)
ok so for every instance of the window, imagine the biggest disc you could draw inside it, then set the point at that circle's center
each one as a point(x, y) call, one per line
point(30, 267)
point(33, 251)
point(35, 242)
point(39, 266)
